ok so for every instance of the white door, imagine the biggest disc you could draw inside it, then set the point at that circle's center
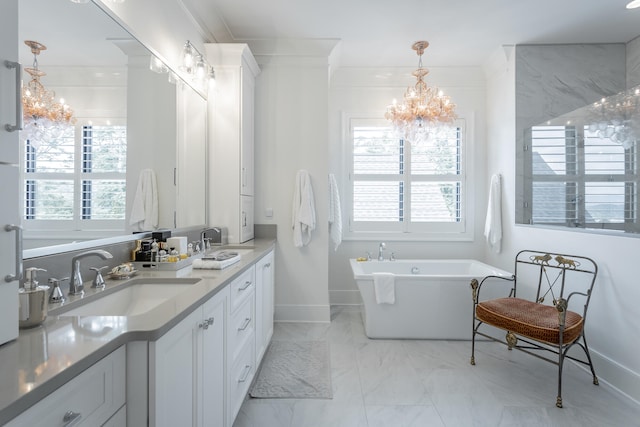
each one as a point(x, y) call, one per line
point(9, 173)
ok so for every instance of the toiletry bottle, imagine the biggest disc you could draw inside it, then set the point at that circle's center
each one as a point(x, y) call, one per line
point(154, 251)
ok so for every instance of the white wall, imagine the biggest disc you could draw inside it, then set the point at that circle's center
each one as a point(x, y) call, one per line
point(291, 134)
point(366, 93)
point(613, 325)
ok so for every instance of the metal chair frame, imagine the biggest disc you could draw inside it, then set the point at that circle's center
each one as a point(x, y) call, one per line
point(563, 266)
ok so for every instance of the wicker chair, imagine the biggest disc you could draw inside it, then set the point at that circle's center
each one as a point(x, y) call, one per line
point(536, 328)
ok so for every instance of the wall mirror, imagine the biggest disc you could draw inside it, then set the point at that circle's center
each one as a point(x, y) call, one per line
point(578, 169)
point(130, 114)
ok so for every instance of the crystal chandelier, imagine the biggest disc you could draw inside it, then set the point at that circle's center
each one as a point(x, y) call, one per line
point(617, 117)
point(425, 110)
point(44, 116)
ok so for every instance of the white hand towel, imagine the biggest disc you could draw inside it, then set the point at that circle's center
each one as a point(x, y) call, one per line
point(384, 285)
point(144, 212)
point(303, 210)
point(493, 224)
point(335, 213)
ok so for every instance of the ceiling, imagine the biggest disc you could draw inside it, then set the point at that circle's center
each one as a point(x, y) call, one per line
point(375, 33)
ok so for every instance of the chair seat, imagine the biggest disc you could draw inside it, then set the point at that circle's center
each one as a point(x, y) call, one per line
point(529, 319)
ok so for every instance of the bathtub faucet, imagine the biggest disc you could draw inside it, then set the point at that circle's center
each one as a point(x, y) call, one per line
point(381, 249)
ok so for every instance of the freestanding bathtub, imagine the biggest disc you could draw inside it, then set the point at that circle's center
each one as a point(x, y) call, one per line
point(432, 297)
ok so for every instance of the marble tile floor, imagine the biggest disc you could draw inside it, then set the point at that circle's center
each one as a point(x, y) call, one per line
point(416, 383)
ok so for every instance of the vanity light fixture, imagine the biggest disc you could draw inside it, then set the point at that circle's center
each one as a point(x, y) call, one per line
point(44, 116)
point(194, 64)
point(80, 1)
point(157, 66)
point(424, 111)
point(633, 4)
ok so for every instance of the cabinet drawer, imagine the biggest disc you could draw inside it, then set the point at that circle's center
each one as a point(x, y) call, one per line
point(241, 328)
point(240, 377)
point(242, 287)
point(96, 394)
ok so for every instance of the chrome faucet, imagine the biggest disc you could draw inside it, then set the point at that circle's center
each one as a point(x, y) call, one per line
point(381, 249)
point(75, 283)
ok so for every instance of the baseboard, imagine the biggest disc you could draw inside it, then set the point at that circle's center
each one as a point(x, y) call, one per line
point(617, 376)
point(352, 297)
point(302, 313)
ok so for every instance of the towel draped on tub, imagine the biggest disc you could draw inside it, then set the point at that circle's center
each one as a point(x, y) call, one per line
point(384, 286)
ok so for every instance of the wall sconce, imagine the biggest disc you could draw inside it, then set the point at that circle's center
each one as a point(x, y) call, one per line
point(194, 64)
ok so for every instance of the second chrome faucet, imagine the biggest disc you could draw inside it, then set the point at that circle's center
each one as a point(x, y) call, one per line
point(76, 287)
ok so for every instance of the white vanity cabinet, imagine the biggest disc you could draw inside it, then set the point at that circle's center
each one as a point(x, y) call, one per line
point(186, 369)
point(9, 173)
point(264, 303)
point(241, 363)
point(96, 397)
point(231, 138)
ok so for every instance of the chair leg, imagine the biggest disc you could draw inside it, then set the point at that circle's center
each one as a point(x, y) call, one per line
point(473, 346)
point(586, 351)
point(560, 362)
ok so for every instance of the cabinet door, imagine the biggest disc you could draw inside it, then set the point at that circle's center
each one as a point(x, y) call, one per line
point(264, 304)
point(247, 137)
point(172, 384)
point(9, 214)
point(191, 159)
point(211, 376)
point(246, 218)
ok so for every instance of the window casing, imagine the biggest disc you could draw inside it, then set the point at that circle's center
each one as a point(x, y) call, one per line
point(76, 181)
point(396, 190)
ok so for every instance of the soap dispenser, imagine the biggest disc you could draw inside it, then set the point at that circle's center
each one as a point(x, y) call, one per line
point(33, 300)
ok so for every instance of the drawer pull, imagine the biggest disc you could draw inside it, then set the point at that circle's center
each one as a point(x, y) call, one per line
point(71, 418)
point(245, 325)
point(246, 285)
point(267, 265)
point(245, 374)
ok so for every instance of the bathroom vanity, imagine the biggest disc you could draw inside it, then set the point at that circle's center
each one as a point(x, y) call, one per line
point(183, 351)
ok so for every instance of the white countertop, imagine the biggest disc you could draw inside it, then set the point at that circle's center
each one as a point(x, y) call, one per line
point(45, 357)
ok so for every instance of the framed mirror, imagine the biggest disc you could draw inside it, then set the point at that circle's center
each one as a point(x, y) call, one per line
point(128, 117)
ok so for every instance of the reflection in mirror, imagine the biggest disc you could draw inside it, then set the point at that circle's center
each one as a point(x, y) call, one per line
point(79, 184)
point(581, 169)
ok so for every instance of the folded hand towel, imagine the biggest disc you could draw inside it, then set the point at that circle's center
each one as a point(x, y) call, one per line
point(205, 264)
point(335, 212)
point(384, 285)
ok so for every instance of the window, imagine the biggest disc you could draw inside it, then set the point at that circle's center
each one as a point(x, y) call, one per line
point(580, 180)
point(408, 190)
point(76, 181)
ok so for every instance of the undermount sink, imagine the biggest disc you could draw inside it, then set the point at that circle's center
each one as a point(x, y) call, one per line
point(136, 297)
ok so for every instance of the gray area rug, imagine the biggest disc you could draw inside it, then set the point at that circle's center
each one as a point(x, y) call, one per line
point(294, 370)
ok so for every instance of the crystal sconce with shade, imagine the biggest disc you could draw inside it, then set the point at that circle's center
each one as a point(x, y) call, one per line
point(424, 111)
